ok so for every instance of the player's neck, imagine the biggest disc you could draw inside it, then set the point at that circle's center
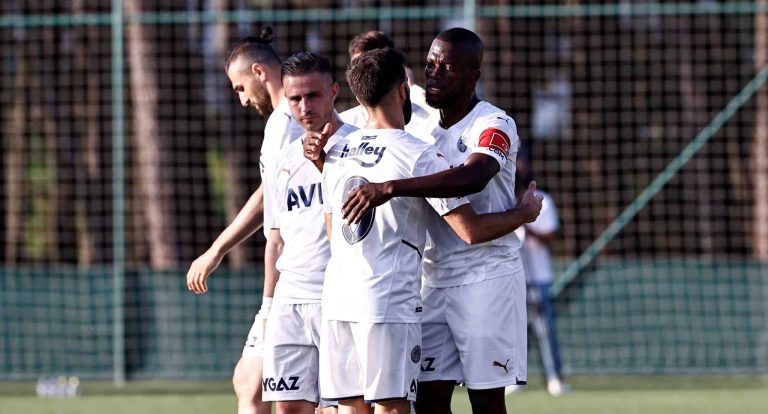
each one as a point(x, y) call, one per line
point(335, 122)
point(454, 113)
point(276, 95)
point(385, 117)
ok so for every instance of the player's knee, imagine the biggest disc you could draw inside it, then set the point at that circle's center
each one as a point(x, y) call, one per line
point(295, 407)
point(487, 401)
point(393, 407)
point(247, 384)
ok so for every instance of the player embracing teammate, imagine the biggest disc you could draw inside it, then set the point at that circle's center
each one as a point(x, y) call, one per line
point(381, 341)
point(474, 309)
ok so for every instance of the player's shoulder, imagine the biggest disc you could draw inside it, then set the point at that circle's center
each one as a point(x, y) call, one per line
point(344, 130)
point(339, 139)
point(416, 140)
point(423, 127)
point(291, 155)
point(420, 149)
point(405, 141)
point(354, 116)
point(486, 113)
point(489, 120)
point(280, 119)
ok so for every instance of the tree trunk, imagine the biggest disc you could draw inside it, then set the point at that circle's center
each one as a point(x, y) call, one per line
point(760, 146)
point(90, 185)
point(61, 142)
point(14, 160)
point(694, 110)
point(143, 94)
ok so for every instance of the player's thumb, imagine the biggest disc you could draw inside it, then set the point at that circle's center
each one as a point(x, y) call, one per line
point(532, 186)
point(327, 129)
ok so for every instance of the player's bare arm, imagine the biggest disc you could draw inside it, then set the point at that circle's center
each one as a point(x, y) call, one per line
point(469, 178)
point(476, 228)
point(248, 220)
point(314, 142)
point(272, 250)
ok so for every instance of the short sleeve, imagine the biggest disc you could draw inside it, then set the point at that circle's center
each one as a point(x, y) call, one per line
point(496, 136)
point(270, 201)
point(279, 192)
point(279, 132)
point(354, 116)
point(431, 162)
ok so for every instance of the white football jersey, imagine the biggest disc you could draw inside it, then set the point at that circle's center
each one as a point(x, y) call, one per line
point(448, 260)
point(373, 274)
point(299, 197)
point(281, 130)
point(420, 113)
point(538, 263)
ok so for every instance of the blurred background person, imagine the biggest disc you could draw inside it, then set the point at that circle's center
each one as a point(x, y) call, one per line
point(536, 238)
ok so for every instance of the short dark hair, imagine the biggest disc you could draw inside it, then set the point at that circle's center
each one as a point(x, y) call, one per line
point(256, 48)
point(302, 63)
point(373, 74)
point(370, 40)
point(461, 36)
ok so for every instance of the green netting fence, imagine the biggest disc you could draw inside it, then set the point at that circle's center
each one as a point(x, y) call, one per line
point(125, 153)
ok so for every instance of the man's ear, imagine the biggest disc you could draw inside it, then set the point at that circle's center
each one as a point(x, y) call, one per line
point(476, 75)
point(403, 90)
point(259, 71)
point(334, 91)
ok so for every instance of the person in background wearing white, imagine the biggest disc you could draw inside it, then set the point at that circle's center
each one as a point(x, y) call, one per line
point(536, 238)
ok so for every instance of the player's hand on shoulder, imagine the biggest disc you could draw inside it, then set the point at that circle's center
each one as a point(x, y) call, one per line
point(201, 268)
point(314, 142)
point(530, 203)
point(364, 198)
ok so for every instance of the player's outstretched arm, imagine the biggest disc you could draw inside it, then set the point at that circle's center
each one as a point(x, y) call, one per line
point(314, 142)
point(476, 228)
point(469, 178)
point(248, 220)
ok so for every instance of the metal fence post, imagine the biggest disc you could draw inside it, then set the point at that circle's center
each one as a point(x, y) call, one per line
point(118, 194)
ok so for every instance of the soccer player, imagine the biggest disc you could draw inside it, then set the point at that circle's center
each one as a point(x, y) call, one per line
point(375, 39)
point(474, 319)
point(253, 67)
point(292, 333)
point(371, 337)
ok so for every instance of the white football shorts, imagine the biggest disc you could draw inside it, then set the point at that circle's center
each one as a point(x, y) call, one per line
point(291, 355)
point(476, 334)
point(373, 361)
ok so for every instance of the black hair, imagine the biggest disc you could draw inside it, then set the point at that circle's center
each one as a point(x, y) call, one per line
point(256, 48)
point(370, 40)
point(302, 63)
point(373, 74)
point(468, 38)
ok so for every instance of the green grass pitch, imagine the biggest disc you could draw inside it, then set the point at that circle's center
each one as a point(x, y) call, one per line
point(613, 394)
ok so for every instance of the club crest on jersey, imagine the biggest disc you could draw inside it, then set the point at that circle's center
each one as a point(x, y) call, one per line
point(353, 233)
point(365, 154)
point(461, 145)
point(416, 354)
